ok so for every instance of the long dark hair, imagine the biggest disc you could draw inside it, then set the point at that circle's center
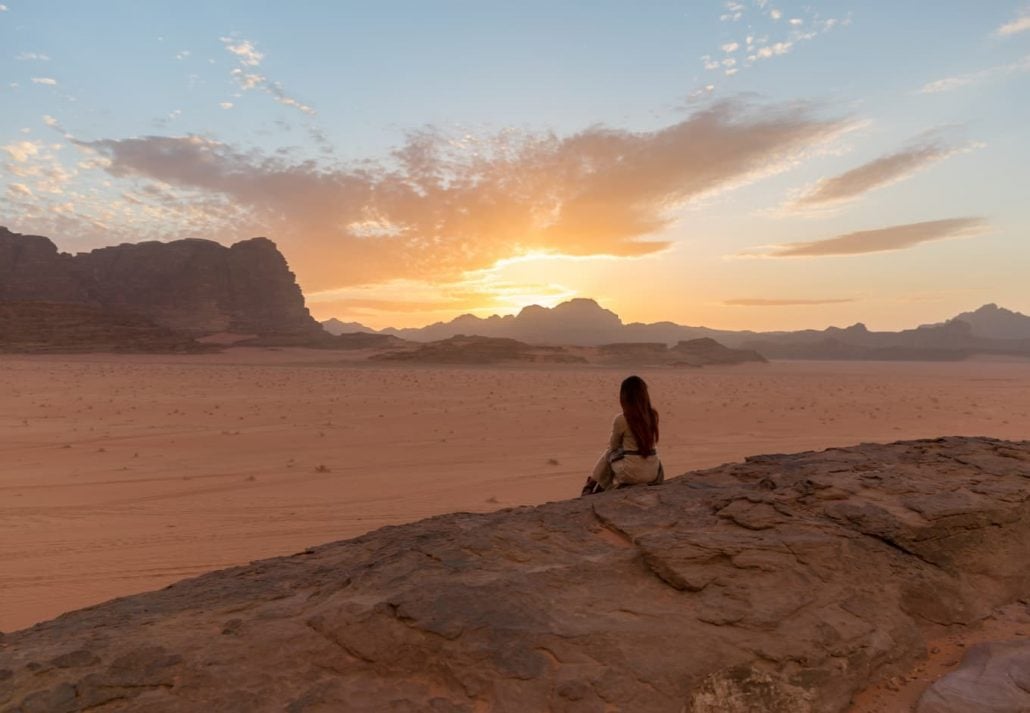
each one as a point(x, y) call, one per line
point(641, 418)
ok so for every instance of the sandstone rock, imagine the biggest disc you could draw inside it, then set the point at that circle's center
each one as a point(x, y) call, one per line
point(992, 678)
point(476, 350)
point(705, 351)
point(42, 327)
point(736, 589)
point(693, 352)
point(193, 286)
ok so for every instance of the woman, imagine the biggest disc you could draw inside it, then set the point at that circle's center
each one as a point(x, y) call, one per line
point(631, 457)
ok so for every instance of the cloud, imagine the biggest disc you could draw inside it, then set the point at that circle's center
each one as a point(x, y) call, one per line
point(225, 105)
point(22, 151)
point(445, 205)
point(874, 174)
point(182, 54)
point(247, 78)
point(3, 8)
point(49, 81)
point(761, 302)
point(39, 164)
point(19, 189)
point(767, 37)
point(245, 50)
point(772, 50)
point(895, 237)
point(1014, 27)
point(32, 57)
point(964, 80)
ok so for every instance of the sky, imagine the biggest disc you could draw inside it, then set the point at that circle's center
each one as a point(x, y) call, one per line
point(741, 165)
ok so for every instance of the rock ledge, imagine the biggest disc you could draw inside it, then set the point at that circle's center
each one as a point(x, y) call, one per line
point(785, 583)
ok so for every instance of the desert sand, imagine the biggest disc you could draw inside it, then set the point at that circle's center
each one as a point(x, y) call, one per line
point(120, 474)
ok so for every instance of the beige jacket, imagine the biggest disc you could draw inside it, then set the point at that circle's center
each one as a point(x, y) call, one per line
point(630, 470)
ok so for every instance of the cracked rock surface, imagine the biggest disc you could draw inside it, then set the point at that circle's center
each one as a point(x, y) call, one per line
point(782, 584)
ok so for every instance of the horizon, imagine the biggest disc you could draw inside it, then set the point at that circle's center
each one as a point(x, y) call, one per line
point(705, 326)
point(416, 163)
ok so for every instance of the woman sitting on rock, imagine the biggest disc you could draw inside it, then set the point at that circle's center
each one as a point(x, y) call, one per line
point(631, 457)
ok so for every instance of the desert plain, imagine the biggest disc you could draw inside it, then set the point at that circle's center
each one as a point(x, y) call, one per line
point(124, 473)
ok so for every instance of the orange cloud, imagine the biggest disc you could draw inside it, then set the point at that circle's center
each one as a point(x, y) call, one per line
point(895, 237)
point(874, 174)
point(442, 207)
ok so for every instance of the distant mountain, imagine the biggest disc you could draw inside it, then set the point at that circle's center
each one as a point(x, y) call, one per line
point(336, 327)
point(583, 322)
point(994, 322)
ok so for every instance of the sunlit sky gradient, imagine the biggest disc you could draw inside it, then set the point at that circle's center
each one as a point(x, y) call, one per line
point(759, 164)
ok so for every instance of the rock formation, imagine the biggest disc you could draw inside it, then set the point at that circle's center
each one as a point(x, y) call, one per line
point(783, 584)
point(190, 286)
point(692, 352)
point(479, 350)
point(336, 327)
point(42, 327)
point(994, 322)
point(583, 322)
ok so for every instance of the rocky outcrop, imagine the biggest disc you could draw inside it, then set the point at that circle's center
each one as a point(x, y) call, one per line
point(782, 584)
point(705, 352)
point(191, 286)
point(44, 327)
point(480, 350)
point(693, 352)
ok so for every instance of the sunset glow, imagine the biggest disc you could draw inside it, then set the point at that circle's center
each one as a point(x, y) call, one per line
point(738, 165)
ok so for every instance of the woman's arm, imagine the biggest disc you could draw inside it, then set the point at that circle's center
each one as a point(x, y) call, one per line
point(618, 428)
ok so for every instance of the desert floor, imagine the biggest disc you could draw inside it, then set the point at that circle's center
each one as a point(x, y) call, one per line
point(120, 474)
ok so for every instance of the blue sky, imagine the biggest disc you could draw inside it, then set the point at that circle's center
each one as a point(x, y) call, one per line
point(657, 156)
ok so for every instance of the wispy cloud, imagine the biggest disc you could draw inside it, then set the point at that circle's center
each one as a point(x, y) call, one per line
point(245, 50)
point(874, 174)
point(32, 57)
point(247, 76)
point(1020, 24)
point(48, 81)
point(895, 237)
point(446, 204)
point(763, 302)
point(765, 36)
point(964, 80)
point(3, 8)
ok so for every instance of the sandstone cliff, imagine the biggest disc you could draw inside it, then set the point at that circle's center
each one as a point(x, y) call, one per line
point(191, 286)
point(782, 584)
point(63, 327)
